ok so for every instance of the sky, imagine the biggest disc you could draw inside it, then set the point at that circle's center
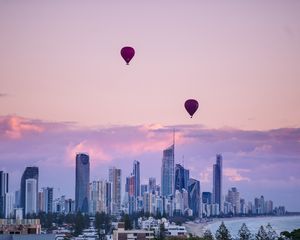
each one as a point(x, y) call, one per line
point(65, 88)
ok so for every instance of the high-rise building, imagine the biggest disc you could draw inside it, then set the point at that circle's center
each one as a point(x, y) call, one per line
point(115, 179)
point(3, 192)
point(261, 205)
point(136, 174)
point(17, 198)
point(31, 200)
point(9, 205)
point(144, 188)
point(182, 176)
point(108, 197)
point(217, 182)
point(152, 185)
point(29, 173)
point(47, 197)
point(82, 183)
point(234, 198)
point(167, 172)
point(269, 207)
point(97, 197)
point(194, 196)
point(206, 197)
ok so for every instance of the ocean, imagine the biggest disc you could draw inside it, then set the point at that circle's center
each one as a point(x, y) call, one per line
point(279, 224)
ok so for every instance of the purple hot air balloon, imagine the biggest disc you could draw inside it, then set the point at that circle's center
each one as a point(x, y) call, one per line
point(191, 106)
point(127, 54)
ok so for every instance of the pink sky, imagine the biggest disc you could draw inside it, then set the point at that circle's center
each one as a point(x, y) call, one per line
point(60, 61)
point(65, 88)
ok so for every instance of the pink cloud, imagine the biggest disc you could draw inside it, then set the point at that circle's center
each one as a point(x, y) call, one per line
point(235, 175)
point(96, 153)
point(15, 127)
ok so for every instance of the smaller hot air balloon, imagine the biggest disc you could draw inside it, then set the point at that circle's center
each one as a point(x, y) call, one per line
point(127, 54)
point(191, 106)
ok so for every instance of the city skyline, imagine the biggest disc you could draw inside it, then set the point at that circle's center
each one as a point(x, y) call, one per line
point(147, 148)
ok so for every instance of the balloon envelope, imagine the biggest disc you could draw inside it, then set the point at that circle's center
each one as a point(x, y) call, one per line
point(191, 106)
point(127, 54)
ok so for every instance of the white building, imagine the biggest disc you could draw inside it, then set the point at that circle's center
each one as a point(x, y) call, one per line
point(9, 205)
point(31, 196)
point(97, 196)
point(175, 230)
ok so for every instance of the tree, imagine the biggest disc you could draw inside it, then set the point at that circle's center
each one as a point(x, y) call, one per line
point(79, 224)
point(208, 235)
point(262, 234)
point(244, 233)
point(127, 222)
point(272, 235)
point(223, 233)
point(162, 231)
point(294, 235)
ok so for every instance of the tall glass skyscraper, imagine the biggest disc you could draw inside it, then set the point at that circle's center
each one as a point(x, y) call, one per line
point(82, 183)
point(136, 174)
point(115, 179)
point(167, 172)
point(29, 173)
point(182, 176)
point(3, 192)
point(217, 182)
point(194, 196)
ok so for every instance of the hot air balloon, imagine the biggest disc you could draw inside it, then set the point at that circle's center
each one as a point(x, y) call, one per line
point(191, 106)
point(127, 54)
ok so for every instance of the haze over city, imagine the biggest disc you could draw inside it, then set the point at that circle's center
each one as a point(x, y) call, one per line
point(64, 88)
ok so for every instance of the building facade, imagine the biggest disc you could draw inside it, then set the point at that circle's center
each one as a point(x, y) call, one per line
point(115, 178)
point(167, 172)
point(82, 181)
point(194, 196)
point(182, 176)
point(3, 192)
point(29, 173)
point(217, 182)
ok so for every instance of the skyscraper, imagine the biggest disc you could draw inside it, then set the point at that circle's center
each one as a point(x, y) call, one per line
point(194, 196)
point(167, 172)
point(206, 197)
point(29, 173)
point(144, 188)
point(47, 200)
point(3, 192)
point(152, 185)
point(115, 179)
point(182, 176)
point(136, 174)
point(82, 183)
point(31, 200)
point(234, 199)
point(217, 182)
point(108, 197)
point(97, 197)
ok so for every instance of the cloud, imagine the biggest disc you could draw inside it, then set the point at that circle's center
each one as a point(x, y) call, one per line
point(235, 175)
point(3, 95)
point(14, 127)
point(251, 159)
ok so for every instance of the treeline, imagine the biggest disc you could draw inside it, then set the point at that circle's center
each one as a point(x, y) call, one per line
point(75, 222)
point(264, 233)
